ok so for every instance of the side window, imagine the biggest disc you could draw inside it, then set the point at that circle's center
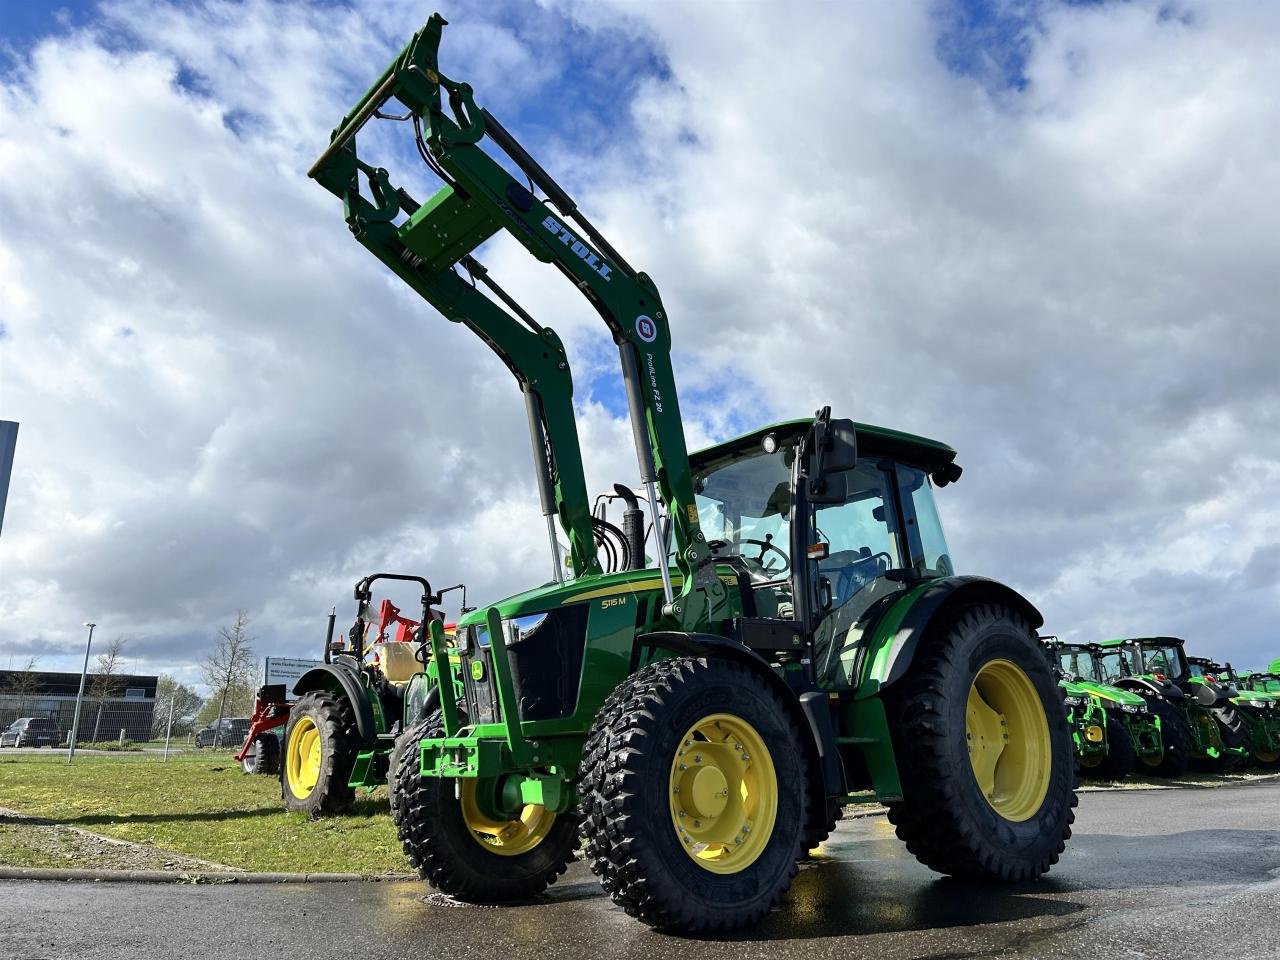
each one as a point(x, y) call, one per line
point(860, 533)
point(929, 553)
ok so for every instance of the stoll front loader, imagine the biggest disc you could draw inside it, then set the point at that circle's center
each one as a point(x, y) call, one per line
point(702, 723)
point(1115, 731)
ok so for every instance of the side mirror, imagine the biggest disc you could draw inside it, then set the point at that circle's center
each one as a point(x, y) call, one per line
point(842, 449)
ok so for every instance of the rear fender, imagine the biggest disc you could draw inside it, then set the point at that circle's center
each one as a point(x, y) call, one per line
point(344, 681)
point(892, 642)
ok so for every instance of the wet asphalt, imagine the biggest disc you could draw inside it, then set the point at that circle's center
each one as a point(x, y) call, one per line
point(1149, 874)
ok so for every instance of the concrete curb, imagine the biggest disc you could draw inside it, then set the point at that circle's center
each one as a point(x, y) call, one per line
point(192, 877)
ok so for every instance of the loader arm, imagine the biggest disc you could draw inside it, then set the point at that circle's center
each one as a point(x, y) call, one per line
point(481, 197)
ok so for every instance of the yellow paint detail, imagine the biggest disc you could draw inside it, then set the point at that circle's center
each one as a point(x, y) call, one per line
point(303, 755)
point(1093, 733)
point(693, 512)
point(723, 793)
point(1007, 733)
point(639, 586)
point(506, 838)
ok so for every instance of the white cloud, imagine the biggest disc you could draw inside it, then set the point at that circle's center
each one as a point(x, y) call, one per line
point(225, 402)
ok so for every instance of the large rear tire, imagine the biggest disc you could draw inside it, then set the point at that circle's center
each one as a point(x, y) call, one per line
point(694, 790)
point(320, 747)
point(460, 851)
point(984, 753)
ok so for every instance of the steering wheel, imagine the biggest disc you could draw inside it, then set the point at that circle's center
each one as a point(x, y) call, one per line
point(766, 547)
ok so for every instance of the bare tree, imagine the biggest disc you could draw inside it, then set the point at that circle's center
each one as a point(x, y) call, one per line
point(186, 704)
point(23, 685)
point(107, 683)
point(230, 667)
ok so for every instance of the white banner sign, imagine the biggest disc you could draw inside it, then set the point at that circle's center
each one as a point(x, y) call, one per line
point(286, 670)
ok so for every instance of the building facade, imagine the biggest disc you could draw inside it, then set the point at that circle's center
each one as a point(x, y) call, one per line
point(41, 694)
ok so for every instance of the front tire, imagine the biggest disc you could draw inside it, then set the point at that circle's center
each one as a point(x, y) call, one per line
point(1121, 756)
point(457, 849)
point(1175, 736)
point(984, 754)
point(320, 747)
point(693, 788)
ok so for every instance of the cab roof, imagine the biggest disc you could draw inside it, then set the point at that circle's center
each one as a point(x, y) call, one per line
point(872, 440)
point(1119, 641)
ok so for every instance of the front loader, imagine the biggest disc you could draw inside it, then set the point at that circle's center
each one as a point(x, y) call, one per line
point(698, 723)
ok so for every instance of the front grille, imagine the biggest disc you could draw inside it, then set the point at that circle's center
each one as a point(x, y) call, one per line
point(546, 667)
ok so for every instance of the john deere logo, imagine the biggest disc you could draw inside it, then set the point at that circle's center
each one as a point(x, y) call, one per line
point(477, 669)
point(646, 328)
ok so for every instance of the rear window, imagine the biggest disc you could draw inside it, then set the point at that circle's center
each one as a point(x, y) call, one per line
point(43, 723)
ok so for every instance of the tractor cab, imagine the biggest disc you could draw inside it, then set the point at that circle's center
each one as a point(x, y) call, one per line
point(864, 533)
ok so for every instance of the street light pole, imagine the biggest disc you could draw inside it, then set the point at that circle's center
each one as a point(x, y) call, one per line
point(75, 724)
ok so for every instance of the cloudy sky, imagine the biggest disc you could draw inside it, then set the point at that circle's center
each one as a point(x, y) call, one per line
point(1043, 232)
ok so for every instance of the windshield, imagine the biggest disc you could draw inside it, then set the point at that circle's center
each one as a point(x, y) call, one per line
point(1116, 662)
point(1076, 663)
point(744, 508)
point(1163, 658)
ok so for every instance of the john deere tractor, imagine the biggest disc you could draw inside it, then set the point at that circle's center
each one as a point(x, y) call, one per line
point(1258, 710)
point(1157, 669)
point(1260, 681)
point(340, 732)
point(1115, 731)
point(698, 719)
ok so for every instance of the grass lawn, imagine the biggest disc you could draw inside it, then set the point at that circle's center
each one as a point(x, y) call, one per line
point(200, 805)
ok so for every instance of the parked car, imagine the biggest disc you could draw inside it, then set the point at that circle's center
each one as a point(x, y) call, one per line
point(31, 732)
point(232, 735)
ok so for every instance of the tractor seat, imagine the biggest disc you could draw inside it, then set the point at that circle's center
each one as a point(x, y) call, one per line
point(396, 660)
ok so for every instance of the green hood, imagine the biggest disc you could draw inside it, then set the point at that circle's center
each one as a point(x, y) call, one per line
point(601, 586)
point(1103, 692)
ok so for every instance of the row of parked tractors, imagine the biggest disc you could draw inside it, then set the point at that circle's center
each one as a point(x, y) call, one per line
point(1142, 706)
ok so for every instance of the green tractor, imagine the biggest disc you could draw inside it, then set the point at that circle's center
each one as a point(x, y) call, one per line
point(784, 632)
point(1114, 729)
point(340, 733)
point(1157, 669)
point(1262, 682)
point(1258, 710)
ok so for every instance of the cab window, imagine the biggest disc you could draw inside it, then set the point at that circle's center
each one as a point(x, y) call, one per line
point(929, 553)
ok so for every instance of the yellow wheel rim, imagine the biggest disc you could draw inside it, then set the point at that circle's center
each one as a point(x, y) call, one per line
point(724, 793)
point(507, 838)
point(1266, 756)
point(1089, 762)
point(303, 756)
point(1008, 739)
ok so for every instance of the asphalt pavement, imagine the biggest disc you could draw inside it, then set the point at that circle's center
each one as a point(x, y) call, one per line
point(1149, 874)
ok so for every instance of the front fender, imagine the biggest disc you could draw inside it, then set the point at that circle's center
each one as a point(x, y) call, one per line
point(340, 679)
point(893, 640)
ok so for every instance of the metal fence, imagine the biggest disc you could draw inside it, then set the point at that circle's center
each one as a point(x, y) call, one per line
point(99, 719)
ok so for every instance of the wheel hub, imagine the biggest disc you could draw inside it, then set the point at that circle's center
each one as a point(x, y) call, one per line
point(724, 793)
point(1007, 734)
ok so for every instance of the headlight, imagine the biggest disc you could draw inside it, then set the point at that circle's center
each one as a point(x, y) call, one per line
point(1074, 701)
point(1260, 704)
point(1133, 707)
